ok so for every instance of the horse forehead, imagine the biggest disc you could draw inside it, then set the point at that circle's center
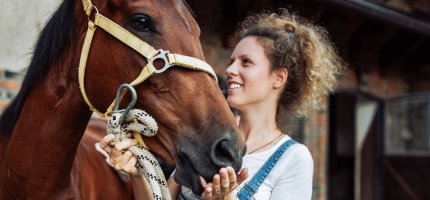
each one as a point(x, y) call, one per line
point(176, 10)
point(159, 5)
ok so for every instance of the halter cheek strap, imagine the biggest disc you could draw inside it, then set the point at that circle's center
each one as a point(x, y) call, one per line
point(138, 45)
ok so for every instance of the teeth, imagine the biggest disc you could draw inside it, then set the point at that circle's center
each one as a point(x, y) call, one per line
point(234, 86)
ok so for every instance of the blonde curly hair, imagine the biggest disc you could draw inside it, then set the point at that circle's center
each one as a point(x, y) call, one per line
point(304, 49)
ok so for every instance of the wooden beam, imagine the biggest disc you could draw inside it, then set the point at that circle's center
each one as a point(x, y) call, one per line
point(379, 12)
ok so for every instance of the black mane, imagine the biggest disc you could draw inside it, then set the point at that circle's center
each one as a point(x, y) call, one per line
point(53, 40)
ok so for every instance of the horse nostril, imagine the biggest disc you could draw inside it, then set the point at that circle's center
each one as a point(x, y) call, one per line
point(223, 153)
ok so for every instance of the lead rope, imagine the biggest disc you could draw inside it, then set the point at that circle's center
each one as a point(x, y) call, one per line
point(138, 121)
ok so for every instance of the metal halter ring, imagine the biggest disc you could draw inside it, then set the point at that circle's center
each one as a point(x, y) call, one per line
point(118, 98)
point(94, 8)
point(163, 56)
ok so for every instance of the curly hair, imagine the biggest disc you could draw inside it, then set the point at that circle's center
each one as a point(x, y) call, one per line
point(304, 49)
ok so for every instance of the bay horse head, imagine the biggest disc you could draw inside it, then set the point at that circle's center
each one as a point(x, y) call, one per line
point(197, 131)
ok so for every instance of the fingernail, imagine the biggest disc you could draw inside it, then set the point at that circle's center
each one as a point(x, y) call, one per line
point(209, 189)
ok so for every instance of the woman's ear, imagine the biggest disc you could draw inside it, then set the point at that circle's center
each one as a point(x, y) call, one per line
point(280, 77)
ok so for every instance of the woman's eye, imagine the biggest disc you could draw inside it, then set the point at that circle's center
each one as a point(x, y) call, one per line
point(141, 22)
point(247, 61)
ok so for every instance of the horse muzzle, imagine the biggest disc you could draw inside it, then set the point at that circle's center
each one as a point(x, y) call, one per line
point(205, 158)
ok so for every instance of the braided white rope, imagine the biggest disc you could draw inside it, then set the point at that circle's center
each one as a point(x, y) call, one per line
point(139, 121)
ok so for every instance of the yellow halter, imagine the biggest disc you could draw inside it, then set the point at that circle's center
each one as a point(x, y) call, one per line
point(138, 45)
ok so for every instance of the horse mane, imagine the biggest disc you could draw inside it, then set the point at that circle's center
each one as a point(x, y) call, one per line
point(56, 36)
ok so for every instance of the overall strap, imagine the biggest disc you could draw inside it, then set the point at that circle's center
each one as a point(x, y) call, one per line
point(251, 187)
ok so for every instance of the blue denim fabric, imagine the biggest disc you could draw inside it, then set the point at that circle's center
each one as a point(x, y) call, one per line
point(251, 187)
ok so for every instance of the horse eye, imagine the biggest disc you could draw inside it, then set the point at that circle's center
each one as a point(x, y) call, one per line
point(141, 22)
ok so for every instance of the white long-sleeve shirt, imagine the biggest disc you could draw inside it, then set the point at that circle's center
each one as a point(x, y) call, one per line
point(290, 178)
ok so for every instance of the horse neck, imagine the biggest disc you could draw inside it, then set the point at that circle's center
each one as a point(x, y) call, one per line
point(45, 139)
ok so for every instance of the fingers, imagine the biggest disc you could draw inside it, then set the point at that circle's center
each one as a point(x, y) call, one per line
point(130, 166)
point(207, 194)
point(222, 184)
point(118, 149)
point(216, 187)
point(203, 182)
point(242, 176)
point(224, 180)
point(105, 141)
point(124, 159)
point(127, 164)
point(121, 159)
point(232, 177)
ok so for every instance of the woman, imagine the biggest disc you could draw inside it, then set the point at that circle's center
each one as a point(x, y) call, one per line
point(281, 66)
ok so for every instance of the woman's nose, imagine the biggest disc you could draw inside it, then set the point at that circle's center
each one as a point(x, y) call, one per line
point(232, 69)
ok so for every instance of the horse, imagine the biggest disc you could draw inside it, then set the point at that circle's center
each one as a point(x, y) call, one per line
point(42, 154)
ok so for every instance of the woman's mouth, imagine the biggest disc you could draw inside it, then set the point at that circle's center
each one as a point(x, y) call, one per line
point(234, 85)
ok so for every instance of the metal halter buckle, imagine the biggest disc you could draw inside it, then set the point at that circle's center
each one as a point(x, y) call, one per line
point(163, 56)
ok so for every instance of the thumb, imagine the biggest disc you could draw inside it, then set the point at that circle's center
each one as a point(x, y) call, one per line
point(242, 176)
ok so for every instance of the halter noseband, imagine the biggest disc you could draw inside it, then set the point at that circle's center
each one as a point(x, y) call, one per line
point(138, 45)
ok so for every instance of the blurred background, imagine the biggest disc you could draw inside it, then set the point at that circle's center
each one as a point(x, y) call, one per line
point(371, 140)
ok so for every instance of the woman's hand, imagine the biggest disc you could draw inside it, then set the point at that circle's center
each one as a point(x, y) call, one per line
point(223, 184)
point(121, 159)
point(125, 161)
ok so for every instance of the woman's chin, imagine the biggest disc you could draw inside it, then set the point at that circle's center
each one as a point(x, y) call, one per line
point(234, 102)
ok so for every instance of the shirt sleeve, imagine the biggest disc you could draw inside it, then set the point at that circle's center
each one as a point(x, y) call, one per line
point(296, 180)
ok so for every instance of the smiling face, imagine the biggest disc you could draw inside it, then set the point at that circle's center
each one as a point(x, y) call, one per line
point(250, 78)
